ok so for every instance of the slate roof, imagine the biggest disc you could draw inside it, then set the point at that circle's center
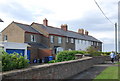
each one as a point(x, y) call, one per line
point(38, 45)
point(26, 27)
point(58, 31)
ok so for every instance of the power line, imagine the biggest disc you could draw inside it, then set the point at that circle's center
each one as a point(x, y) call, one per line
point(103, 12)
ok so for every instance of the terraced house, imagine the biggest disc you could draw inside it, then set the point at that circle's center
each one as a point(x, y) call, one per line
point(44, 40)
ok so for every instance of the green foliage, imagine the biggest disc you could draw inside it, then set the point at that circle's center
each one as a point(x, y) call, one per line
point(53, 61)
point(93, 51)
point(106, 53)
point(13, 61)
point(67, 55)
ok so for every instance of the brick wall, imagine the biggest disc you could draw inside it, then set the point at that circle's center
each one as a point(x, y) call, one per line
point(59, 70)
point(44, 53)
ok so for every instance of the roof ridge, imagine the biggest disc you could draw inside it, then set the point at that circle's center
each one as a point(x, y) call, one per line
point(21, 23)
point(62, 30)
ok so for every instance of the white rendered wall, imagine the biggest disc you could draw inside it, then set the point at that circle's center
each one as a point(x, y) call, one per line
point(81, 45)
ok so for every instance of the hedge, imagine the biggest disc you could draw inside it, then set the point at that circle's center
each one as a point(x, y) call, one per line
point(67, 55)
point(13, 61)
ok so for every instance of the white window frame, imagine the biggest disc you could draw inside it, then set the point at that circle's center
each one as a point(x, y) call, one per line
point(33, 38)
point(59, 40)
point(67, 39)
point(72, 40)
point(52, 39)
point(5, 37)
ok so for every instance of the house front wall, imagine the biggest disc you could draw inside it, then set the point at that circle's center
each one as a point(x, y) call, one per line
point(14, 34)
point(61, 46)
point(28, 37)
point(81, 45)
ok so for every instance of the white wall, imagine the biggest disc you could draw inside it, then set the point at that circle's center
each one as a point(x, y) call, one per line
point(81, 45)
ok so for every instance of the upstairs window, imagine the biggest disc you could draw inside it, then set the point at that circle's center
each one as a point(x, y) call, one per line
point(72, 40)
point(59, 40)
point(5, 38)
point(33, 38)
point(51, 39)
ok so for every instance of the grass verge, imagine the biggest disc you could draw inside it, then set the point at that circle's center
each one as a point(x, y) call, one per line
point(109, 73)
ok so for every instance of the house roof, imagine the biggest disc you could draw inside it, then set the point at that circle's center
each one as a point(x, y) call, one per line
point(58, 31)
point(26, 27)
point(38, 45)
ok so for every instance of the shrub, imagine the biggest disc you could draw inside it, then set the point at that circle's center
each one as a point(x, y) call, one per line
point(53, 61)
point(93, 51)
point(67, 55)
point(13, 61)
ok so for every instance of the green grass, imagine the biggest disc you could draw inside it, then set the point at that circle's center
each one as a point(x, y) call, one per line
point(109, 73)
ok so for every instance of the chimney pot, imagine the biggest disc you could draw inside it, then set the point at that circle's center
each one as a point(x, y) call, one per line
point(86, 32)
point(81, 31)
point(45, 22)
point(64, 27)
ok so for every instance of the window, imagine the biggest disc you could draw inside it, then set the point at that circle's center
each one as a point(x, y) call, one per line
point(59, 40)
point(5, 38)
point(72, 40)
point(81, 41)
point(78, 41)
point(67, 39)
point(51, 39)
point(33, 38)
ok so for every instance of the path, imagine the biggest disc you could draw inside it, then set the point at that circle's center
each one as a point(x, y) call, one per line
point(92, 72)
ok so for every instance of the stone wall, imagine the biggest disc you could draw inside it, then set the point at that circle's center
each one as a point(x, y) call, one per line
point(59, 70)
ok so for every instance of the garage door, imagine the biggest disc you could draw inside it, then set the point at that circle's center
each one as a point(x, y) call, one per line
point(20, 51)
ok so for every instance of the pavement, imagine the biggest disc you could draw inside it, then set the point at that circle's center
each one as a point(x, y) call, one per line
point(92, 72)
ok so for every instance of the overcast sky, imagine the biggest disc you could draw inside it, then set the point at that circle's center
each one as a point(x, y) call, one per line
point(76, 13)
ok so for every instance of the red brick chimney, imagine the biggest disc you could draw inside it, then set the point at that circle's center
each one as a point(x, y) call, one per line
point(64, 27)
point(86, 32)
point(81, 31)
point(45, 22)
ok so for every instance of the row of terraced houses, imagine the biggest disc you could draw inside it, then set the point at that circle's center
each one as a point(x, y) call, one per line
point(43, 40)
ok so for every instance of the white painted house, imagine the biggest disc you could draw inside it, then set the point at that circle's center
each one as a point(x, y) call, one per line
point(82, 44)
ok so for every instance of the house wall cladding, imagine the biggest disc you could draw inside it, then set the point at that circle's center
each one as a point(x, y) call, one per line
point(14, 34)
point(60, 70)
point(28, 37)
point(65, 45)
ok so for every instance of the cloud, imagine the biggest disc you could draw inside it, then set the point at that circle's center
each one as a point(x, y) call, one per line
point(16, 11)
point(76, 13)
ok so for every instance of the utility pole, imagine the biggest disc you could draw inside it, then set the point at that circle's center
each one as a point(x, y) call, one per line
point(116, 38)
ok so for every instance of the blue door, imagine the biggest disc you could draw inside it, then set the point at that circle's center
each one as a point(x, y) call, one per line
point(20, 51)
point(28, 55)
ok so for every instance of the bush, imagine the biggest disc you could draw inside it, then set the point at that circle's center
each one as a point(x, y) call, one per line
point(13, 61)
point(67, 55)
point(53, 61)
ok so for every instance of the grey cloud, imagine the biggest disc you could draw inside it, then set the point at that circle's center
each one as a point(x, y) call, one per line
point(17, 11)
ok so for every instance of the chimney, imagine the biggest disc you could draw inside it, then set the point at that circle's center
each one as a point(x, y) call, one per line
point(86, 32)
point(64, 27)
point(81, 31)
point(45, 22)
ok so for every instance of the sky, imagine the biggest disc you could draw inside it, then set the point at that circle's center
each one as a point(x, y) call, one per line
point(75, 13)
